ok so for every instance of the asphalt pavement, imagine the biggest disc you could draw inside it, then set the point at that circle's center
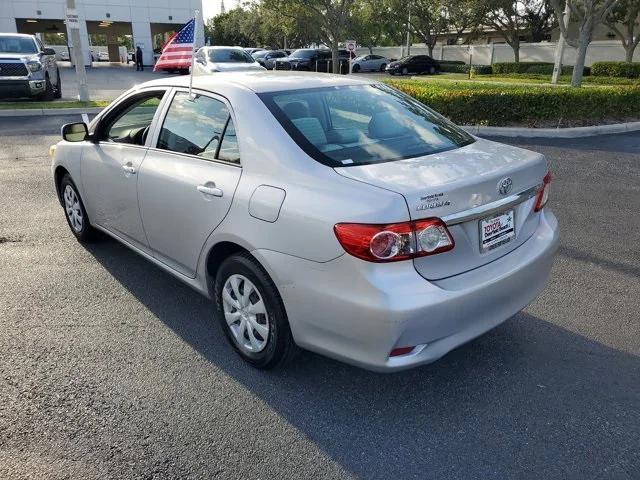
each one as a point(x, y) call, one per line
point(110, 368)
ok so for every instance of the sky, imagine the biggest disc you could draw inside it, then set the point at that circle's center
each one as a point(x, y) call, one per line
point(212, 7)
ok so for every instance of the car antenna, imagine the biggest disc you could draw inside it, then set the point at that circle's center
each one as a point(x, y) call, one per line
point(192, 97)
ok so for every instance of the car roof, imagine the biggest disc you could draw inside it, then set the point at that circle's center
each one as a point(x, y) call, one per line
point(222, 47)
point(24, 35)
point(260, 81)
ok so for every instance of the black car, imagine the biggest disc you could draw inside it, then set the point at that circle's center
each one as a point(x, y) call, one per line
point(415, 64)
point(313, 59)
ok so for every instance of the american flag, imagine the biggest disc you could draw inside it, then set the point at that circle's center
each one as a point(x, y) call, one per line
point(177, 52)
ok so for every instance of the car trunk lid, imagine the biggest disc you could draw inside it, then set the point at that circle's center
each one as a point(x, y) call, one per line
point(462, 187)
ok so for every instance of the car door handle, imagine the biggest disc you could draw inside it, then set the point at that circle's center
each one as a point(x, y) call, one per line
point(129, 169)
point(210, 190)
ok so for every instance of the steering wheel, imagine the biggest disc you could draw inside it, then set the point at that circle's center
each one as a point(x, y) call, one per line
point(143, 137)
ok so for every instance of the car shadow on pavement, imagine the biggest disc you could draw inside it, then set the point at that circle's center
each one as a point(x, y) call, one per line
point(527, 400)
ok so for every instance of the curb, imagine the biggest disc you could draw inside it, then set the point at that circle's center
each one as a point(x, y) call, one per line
point(573, 132)
point(48, 112)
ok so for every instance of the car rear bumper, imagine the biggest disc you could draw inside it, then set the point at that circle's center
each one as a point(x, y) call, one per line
point(21, 88)
point(358, 312)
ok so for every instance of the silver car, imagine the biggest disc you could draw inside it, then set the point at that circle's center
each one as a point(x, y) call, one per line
point(223, 59)
point(369, 63)
point(316, 211)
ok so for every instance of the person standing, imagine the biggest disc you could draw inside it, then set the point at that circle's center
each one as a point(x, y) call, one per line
point(139, 63)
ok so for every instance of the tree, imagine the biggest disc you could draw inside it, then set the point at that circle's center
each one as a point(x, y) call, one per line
point(540, 20)
point(588, 14)
point(232, 28)
point(465, 16)
point(428, 21)
point(507, 18)
point(623, 20)
point(372, 21)
point(332, 18)
point(257, 25)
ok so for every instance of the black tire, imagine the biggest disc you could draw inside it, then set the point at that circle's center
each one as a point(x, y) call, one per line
point(49, 91)
point(432, 70)
point(58, 92)
point(382, 67)
point(355, 68)
point(87, 233)
point(280, 347)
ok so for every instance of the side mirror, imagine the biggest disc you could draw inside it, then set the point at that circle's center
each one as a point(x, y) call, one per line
point(75, 132)
point(49, 51)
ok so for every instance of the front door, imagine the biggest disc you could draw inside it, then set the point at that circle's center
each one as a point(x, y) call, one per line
point(187, 182)
point(110, 167)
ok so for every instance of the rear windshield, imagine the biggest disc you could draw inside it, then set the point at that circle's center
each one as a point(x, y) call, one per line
point(222, 55)
point(357, 125)
point(17, 45)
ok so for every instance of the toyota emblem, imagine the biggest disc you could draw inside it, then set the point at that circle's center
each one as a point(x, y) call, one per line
point(505, 185)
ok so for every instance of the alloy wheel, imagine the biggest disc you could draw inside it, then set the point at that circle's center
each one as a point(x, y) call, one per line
point(73, 208)
point(245, 313)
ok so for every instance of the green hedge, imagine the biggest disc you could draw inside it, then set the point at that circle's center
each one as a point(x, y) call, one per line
point(464, 68)
point(486, 104)
point(616, 69)
point(533, 67)
point(566, 78)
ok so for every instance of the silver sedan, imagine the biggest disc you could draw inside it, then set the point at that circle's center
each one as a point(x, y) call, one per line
point(369, 63)
point(316, 211)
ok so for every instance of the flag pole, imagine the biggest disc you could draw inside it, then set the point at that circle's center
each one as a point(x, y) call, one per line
point(193, 51)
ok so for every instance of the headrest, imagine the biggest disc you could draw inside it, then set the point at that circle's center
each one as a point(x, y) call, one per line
point(386, 125)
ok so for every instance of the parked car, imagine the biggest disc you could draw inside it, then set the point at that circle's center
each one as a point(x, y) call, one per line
point(223, 59)
point(415, 64)
point(267, 58)
point(102, 56)
point(27, 68)
point(330, 213)
point(63, 55)
point(313, 59)
point(251, 51)
point(369, 63)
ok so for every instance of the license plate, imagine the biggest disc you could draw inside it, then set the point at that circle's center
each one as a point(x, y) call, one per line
point(496, 230)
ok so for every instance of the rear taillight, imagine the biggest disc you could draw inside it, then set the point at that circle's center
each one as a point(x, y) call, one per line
point(543, 193)
point(396, 241)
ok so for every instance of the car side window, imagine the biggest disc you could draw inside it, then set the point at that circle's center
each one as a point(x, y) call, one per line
point(131, 124)
point(229, 150)
point(195, 126)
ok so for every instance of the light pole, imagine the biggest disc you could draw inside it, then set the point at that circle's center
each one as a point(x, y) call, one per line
point(73, 28)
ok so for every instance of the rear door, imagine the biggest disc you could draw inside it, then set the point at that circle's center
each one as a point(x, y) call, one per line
point(187, 182)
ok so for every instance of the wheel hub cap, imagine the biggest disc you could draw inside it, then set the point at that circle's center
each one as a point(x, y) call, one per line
point(245, 314)
point(73, 209)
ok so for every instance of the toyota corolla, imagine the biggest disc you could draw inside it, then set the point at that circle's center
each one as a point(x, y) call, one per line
point(324, 212)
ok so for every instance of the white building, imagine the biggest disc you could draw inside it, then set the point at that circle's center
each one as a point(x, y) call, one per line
point(147, 21)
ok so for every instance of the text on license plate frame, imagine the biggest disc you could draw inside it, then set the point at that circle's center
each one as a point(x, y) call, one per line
point(496, 230)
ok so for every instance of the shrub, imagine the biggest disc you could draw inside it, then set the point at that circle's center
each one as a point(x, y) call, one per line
point(616, 69)
point(464, 68)
point(533, 67)
point(487, 104)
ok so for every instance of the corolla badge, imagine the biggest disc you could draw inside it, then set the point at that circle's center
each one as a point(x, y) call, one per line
point(505, 185)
